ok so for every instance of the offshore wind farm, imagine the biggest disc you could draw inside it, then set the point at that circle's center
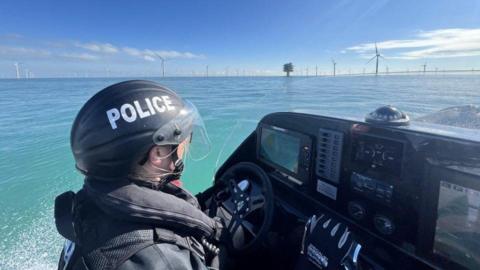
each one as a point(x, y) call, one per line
point(21, 70)
point(96, 59)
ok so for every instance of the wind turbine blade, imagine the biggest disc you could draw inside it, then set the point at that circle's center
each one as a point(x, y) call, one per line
point(382, 57)
point(371, 59)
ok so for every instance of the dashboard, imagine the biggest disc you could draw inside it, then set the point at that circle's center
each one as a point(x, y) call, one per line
point(411, 194)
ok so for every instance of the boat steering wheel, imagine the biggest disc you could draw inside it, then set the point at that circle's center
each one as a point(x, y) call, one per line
point(246, 203)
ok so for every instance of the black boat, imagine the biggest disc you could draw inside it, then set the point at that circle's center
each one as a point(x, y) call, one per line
point(314, 192)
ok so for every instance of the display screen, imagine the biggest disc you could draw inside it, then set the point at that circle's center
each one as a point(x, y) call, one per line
point(457, 234)
point(280, 148)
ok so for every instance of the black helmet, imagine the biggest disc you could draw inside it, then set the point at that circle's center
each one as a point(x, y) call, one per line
point(117, 127)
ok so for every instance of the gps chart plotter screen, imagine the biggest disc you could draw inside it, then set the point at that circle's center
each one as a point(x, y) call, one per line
point(280, 149)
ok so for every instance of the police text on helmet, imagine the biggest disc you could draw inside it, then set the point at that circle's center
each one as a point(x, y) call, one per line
point(129, 113)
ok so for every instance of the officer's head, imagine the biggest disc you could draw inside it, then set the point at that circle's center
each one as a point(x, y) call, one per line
point(136, 130)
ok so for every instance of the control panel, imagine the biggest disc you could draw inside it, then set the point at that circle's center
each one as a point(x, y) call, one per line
point(375, 177)
point(371, 188)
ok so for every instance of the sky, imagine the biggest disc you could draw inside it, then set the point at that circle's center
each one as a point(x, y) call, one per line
point(128, 38)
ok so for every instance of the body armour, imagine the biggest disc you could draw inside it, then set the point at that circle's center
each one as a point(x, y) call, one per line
point(126, 226)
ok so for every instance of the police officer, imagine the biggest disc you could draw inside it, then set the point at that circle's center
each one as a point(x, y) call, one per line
point(130, 140)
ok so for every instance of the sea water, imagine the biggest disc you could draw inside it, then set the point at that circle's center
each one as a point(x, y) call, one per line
point(36, 116)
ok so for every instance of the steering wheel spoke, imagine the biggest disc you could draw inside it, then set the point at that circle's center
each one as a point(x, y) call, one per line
point(229, 207)
point(250, 228)
point(255, 203)
point(241, 231)
point(234, 225)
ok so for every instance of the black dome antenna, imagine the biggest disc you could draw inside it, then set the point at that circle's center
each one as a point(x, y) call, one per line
point(388, 116)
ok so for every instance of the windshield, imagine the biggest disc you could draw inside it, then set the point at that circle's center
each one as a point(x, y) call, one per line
point(467, 116)
point(236, 61)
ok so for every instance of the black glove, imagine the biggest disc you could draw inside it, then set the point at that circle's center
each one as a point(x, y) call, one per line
point(328, 244)
point(219, 230)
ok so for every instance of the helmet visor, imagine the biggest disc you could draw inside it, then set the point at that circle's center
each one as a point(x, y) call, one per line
point(189, 127)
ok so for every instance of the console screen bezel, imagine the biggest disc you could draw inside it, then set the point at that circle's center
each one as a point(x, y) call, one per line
point(429, 211)
point(363, 165)
point(304, 153)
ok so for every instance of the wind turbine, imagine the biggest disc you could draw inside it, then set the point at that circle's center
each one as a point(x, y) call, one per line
point(316, 71)
point(424, 67)
point(377, 56)
point(17, 69)
point(334, 67)
point(163, 63)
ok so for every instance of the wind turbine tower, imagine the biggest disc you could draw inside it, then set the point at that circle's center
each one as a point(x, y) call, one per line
point(377, 56)
point(17, 69)
point(424, 67)
point(163, 63)
point(334, 67)
point(316, 71)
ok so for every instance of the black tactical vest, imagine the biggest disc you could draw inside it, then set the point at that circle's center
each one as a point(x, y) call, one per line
point(100, 240)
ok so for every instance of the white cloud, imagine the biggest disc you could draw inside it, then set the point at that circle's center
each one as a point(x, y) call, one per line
point(152, 55)
point(441, 43)
point(175, 54)
point(34, 53)
point(132, 51)
point(98, 47)
point(23, 51)
point(26, 50)
point(79, 56)
point(149, 58)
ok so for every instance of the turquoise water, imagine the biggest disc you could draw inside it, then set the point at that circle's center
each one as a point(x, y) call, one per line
point(36, 115)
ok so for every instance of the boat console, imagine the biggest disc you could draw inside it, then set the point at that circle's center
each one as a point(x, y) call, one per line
point(407, 194)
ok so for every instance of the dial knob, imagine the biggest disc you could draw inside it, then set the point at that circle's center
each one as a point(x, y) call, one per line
point(384, 224)
point(356, 210)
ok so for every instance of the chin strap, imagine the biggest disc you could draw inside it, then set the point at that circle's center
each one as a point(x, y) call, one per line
point(165, 178)
point(177, 172)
